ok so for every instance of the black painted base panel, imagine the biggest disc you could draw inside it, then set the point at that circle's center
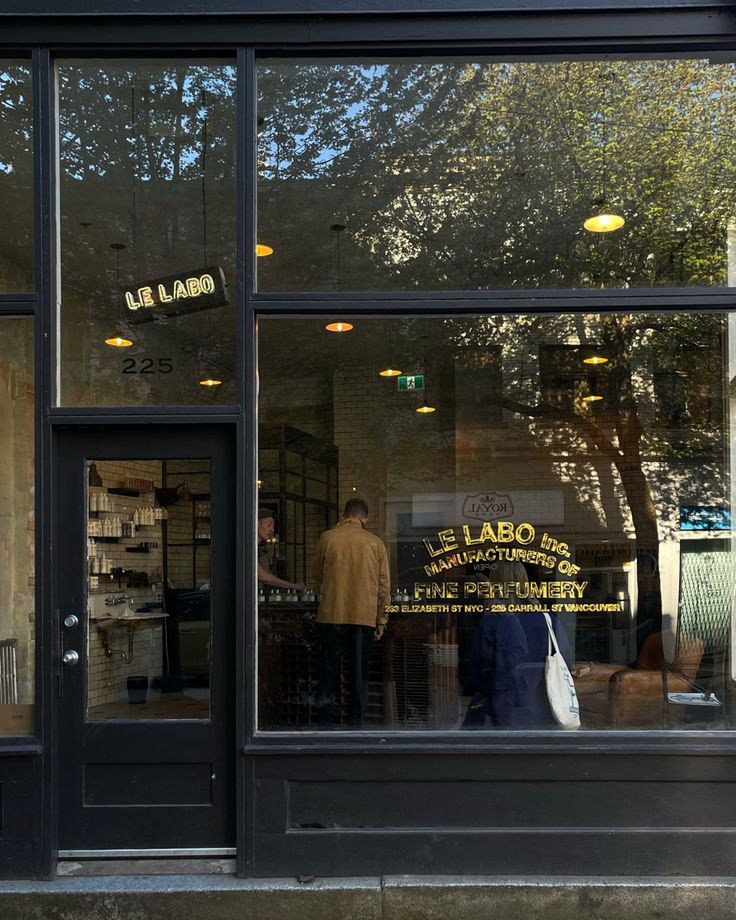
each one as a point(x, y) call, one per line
point(493, 815)
point(19, 817)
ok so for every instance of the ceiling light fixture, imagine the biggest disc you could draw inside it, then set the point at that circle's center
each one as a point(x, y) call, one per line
point(118, 340)
point(339, 325)
point(426, 406)
point(603, 220)
point(390, 371)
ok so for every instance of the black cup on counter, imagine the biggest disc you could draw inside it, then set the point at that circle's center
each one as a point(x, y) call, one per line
point(137, 688)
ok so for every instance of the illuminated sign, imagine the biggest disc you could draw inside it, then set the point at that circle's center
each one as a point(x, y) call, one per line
point(410, 384)
point(176, 295)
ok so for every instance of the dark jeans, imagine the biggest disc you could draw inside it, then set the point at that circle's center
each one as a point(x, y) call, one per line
point(354, 644)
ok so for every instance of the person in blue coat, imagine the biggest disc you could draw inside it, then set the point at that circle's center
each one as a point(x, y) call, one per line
point(507, 663)
point(531, 705)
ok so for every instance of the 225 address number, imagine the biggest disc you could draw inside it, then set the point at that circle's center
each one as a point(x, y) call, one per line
point(147, 366)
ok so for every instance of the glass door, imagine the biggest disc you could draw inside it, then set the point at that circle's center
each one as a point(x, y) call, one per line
point(146, 620)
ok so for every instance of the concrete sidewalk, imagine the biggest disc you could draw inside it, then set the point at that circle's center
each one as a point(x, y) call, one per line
point(196, 897)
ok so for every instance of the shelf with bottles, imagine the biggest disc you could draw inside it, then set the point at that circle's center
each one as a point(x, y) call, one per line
point(401, 596)
point(123, 523)
point(287, 598)
point(114, 577)
point(108, 502)
point(101, 583)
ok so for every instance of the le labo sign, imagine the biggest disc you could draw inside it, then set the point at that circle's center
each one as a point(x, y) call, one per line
point(175, 295)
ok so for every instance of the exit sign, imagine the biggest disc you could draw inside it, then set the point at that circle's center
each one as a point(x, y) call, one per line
point(407, 383)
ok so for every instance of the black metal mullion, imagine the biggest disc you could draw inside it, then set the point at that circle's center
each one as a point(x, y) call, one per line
point(246, 589)
point(44, 191)
point(22, 301)
point(320, 25)
point(10, 308)
point(127, 415)
point(630, 301)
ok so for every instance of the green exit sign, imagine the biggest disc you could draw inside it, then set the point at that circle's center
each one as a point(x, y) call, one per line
point(410, 384)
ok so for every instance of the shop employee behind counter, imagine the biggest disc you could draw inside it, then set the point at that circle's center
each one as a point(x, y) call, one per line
point(351, 565)
point(266, 530)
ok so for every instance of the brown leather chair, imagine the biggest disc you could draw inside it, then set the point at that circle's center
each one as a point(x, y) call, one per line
point(638, 696)
point(614, 696)
point(591, 685)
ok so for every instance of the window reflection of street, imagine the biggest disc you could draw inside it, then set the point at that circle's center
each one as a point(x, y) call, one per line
point(597, 501)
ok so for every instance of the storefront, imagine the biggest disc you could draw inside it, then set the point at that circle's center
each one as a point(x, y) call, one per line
point(471, 271)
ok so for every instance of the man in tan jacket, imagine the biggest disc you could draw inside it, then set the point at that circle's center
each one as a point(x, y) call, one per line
point(351, 565)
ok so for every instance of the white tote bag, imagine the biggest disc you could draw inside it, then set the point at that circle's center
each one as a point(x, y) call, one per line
point(563, 700)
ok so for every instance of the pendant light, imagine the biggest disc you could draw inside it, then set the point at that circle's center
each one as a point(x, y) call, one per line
point(604, 219)
point(426, 408)
point(590, 355)
point(262, 249)
point(118, 340)
point(391, 370)
point(338, 325)
point(593, 394)
point(209, 381)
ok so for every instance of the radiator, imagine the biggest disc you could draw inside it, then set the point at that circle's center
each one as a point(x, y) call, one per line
point(8, 671)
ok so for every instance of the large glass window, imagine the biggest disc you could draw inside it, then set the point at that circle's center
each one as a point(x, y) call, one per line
point(457, 175)
point(515, 468)
point(17, 527)
point(147, 186)
point(16, 178)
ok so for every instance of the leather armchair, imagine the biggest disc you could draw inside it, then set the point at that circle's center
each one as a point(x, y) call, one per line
point(638, 696)
point(614, 696)
point(591, 685)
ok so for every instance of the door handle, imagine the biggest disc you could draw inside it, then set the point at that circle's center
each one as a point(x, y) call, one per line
point(70, 658)
point(71, 621)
